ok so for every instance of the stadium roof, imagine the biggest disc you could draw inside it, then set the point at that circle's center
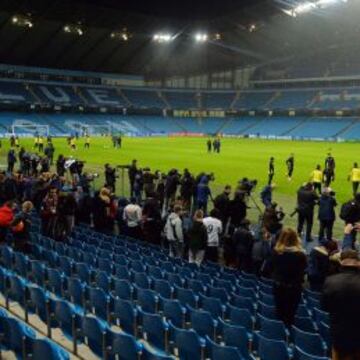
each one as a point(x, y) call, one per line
point(228, 23)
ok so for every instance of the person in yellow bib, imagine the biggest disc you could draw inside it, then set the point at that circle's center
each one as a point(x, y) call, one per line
point(41, 144)
point(73, 143)
point(36, 142)
point(87, 142)
point(316, 177)
point(354, 177)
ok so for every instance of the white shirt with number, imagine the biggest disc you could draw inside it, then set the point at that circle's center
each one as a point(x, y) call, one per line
point(214, 229)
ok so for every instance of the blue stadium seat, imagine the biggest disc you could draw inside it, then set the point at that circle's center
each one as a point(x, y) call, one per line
point(44, 349)
point(213, 306)
point(141, 280)
point(16, 290)
point(148, 300)
point(21, 264)
point(203, 323)
point(17, 336)
point(37, 272)
point(242, 317)
point(104, 264)
point(273, 329)
point(267, 311)
point(163, 288)
point(155, 272)
point(66, 265)
point(236, 336)
point(122, 346)
point(154, 329)
point(186, 297)
point(75, 291)
point(189, 344)
point(197, 286)
point(305, 324)
point(272, 349)
point(55, 281)
point(244, 303)
point(302, 355)
point(309, 342)
point(151, 354)
point(94, 333)
point(126, 315)
point(123, 289)
point(175, 279)
point(173, 310)
point(7, 257)
point(103, 281)
point(100, 304)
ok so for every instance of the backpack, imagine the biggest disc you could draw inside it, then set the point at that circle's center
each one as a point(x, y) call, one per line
point(348, 211)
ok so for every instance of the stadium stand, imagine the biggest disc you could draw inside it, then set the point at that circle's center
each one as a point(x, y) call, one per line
point(98, 284)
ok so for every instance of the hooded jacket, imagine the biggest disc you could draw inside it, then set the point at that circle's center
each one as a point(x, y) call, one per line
point(173, 228)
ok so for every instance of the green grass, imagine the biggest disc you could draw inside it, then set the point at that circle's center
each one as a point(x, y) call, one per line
point(238, 158)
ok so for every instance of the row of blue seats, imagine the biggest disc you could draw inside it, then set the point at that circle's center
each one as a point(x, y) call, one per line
point(82, 328)
point(22, 340)
point(152, 323)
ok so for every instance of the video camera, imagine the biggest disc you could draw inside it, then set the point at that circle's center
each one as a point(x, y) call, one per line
point(247, 186)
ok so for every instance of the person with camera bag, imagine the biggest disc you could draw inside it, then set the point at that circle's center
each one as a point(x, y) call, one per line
point(350, 214)
point(306, 201)
point(110, 177)
point(327, 204)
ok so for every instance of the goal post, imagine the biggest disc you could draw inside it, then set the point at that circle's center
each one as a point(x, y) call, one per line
point(96, 129)
point(30, 130)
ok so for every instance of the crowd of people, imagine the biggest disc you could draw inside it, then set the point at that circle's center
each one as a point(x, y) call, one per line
point(172, 210)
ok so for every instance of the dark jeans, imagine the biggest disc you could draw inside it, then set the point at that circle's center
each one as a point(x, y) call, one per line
point(355, 186)
point(287, 300)
point(326, 226)
point(317, 187)
point(271, 176)
point(211, 254)
point(308, 218)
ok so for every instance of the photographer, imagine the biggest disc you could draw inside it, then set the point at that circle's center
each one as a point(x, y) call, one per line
point(266, 195)
point(273, 218)
point(149, 185)
point(132, 173)
point(238, 210)
point(243, 242)
point(172, 182)
point(110, 177)
point(187, 183)
point(327, 204)
point(60, 165)
point(222, 203)
point(306, 201)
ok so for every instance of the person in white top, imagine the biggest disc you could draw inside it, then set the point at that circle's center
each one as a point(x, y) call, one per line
point(132, 216)
point(214, 229)
point(174, 232)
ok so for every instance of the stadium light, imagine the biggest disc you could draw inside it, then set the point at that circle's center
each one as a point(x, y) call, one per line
point(201, 37)
point(162, 37)
point(122, 35)
point(73, 29)
point(22, 21)
point(309, 6)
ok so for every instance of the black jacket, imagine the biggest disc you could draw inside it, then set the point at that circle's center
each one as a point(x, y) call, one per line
point(289, 268)
point(306, 200)
point(197, 236)
point(341, 298)
point(327, 206)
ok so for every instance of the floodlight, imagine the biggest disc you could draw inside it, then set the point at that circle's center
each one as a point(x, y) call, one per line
point(162, 37)
point(201, 37)
point(14, 19)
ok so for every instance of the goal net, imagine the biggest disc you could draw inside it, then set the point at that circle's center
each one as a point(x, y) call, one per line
point(30, 130)
point(95, 130)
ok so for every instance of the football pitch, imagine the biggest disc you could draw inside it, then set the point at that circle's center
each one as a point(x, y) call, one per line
point(238, 158)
